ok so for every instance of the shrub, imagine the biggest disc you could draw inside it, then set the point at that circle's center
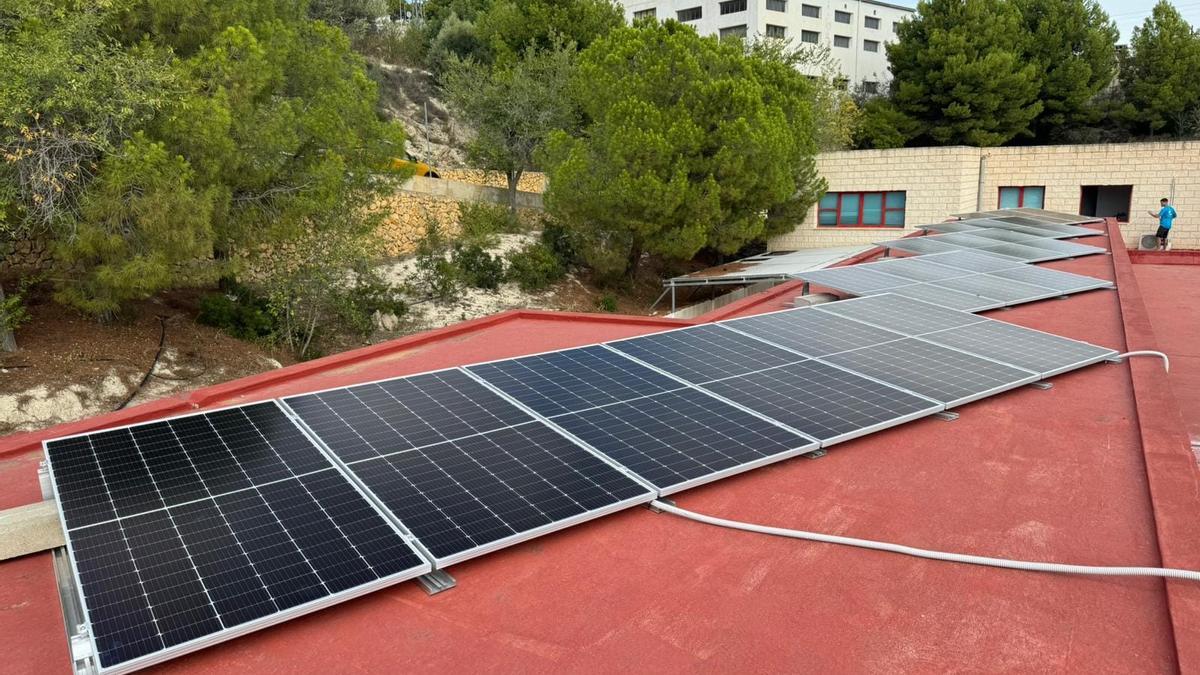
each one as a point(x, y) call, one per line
point(607, 303)
point(369, 293)
point(435, 275)
point(561, 242)
point(534, 267)
point(481, 222)
point(239, 312)
point(476, 267)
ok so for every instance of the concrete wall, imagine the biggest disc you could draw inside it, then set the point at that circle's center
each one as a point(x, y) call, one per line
point(943, 181)
point(468, 192)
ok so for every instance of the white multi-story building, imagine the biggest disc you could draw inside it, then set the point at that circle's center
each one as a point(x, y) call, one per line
point(854, 30)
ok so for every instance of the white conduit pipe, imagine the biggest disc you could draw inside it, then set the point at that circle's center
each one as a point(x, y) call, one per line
point(1149, 352)
point(1030, 566)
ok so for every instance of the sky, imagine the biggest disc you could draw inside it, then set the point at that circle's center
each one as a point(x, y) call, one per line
point(1131, 13)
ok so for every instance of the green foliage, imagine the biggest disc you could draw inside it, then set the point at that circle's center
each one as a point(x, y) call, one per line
point(13, 310)
point(561, 242)
point(481, 222)
point(238, 311)
point(476, 267)
point(1074, 44)
point(607, 303)
point(1161, 77)
point(435, 275)
point(884, 126)
point(511, 27)
point(456, 40)
point(141, 221)
point(514, 108)
point(358, 302)
point(534, 268)
point(690, 142)
point(959, 73)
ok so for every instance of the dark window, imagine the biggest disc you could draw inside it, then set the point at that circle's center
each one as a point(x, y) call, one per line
point(777, 5)
point(862, 209)
point(870, 46)
point(1106, 201)
point(870, 87)
point(811, 11)
point(841, 41)
point(734, 31)
point(871, 22)
point(810, 36)
point(895, 26)
point(732, 6)
point(1016, 197)
point(841, 17)
point(645, 14)
point(776, 31)
point(690, 14)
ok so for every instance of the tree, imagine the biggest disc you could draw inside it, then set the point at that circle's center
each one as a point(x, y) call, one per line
point(1074, 44)
point(508, 27)
point(1161, 78)
point(960, 75)
point(689, 142)
point(513, 108)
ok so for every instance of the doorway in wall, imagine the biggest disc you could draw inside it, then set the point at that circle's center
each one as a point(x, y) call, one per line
point(1106, 201)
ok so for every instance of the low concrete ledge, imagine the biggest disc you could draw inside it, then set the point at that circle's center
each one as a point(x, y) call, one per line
point(30, 529)
point(468, 192)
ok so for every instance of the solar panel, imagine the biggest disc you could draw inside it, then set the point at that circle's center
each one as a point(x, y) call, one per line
point(946, 375)
point(1008, 236)
point(1050, 230)
point(1031, 350)
point(939, 294)
point(856, 279)
point(462, 468)
point(193, 530)
point(950, 226)
point(898, 314)
point(575, 379)
point(917, 269)
point(684, 438)
point(1064, 282)
point(1039, 215)
point(811, 332)
point(1022, 252)
point(704, 353)
point(1066, 248)
point(974, 261)
point(1027, 221)
point(825, 402)
point(965, 240)
point(1005, 290)
point(919, 245)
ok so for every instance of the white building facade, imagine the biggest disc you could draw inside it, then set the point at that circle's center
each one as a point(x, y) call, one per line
point(855, 31)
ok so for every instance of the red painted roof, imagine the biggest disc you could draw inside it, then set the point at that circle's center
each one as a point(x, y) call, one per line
point(1096, 470)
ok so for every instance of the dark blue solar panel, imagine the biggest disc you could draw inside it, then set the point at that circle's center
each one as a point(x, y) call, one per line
point(576, 379)
point(187, 528)
point(822, 401)
point(811, 332)
point(705, 353)
point(682, 437)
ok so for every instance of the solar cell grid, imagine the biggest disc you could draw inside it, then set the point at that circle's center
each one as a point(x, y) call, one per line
point(950, 226)
point(1066, 248)
point(919, 245)
point(704, 353)
point(811, 332)
point(1008, 236)
point(974, 261)
point(1004, 290)
point(1031, 350)
point(1056, 279)
point(366, 420)
point(822, 401)
point(575, 379)
point(939, 373)
point(900, 315)
point(679, 439)
point(1029, 254)
point(964, 239)
point(853, 279)
point(939, 294)
point(918, 269)
point(209, 525)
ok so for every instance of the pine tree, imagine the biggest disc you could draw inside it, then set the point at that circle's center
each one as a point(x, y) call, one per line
point(1161, 77)
point(960, 75)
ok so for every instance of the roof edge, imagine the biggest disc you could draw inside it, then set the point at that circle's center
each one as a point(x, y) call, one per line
point(1171, 472)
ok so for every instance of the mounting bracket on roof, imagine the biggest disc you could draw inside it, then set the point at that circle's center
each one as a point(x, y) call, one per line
point(946, 415)
point(815, 454)
point(1042, 385)
point(655, 509)
point(436, 581)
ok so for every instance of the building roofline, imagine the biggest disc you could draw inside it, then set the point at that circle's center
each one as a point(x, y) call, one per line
point(889, 4)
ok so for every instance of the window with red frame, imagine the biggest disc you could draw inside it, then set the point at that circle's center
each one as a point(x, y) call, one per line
point(1015, 197)
point(861, 209)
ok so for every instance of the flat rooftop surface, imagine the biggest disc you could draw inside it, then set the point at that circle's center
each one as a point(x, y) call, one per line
point(1095, 471)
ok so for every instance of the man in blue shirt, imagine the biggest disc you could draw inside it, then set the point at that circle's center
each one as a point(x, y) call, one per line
point(1166, 218)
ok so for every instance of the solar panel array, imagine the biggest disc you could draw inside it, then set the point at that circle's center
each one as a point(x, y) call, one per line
point(1030, 250)
point(192, 530)
point(971, 281)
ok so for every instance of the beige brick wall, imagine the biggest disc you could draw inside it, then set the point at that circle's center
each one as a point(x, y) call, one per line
point(943, 181)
